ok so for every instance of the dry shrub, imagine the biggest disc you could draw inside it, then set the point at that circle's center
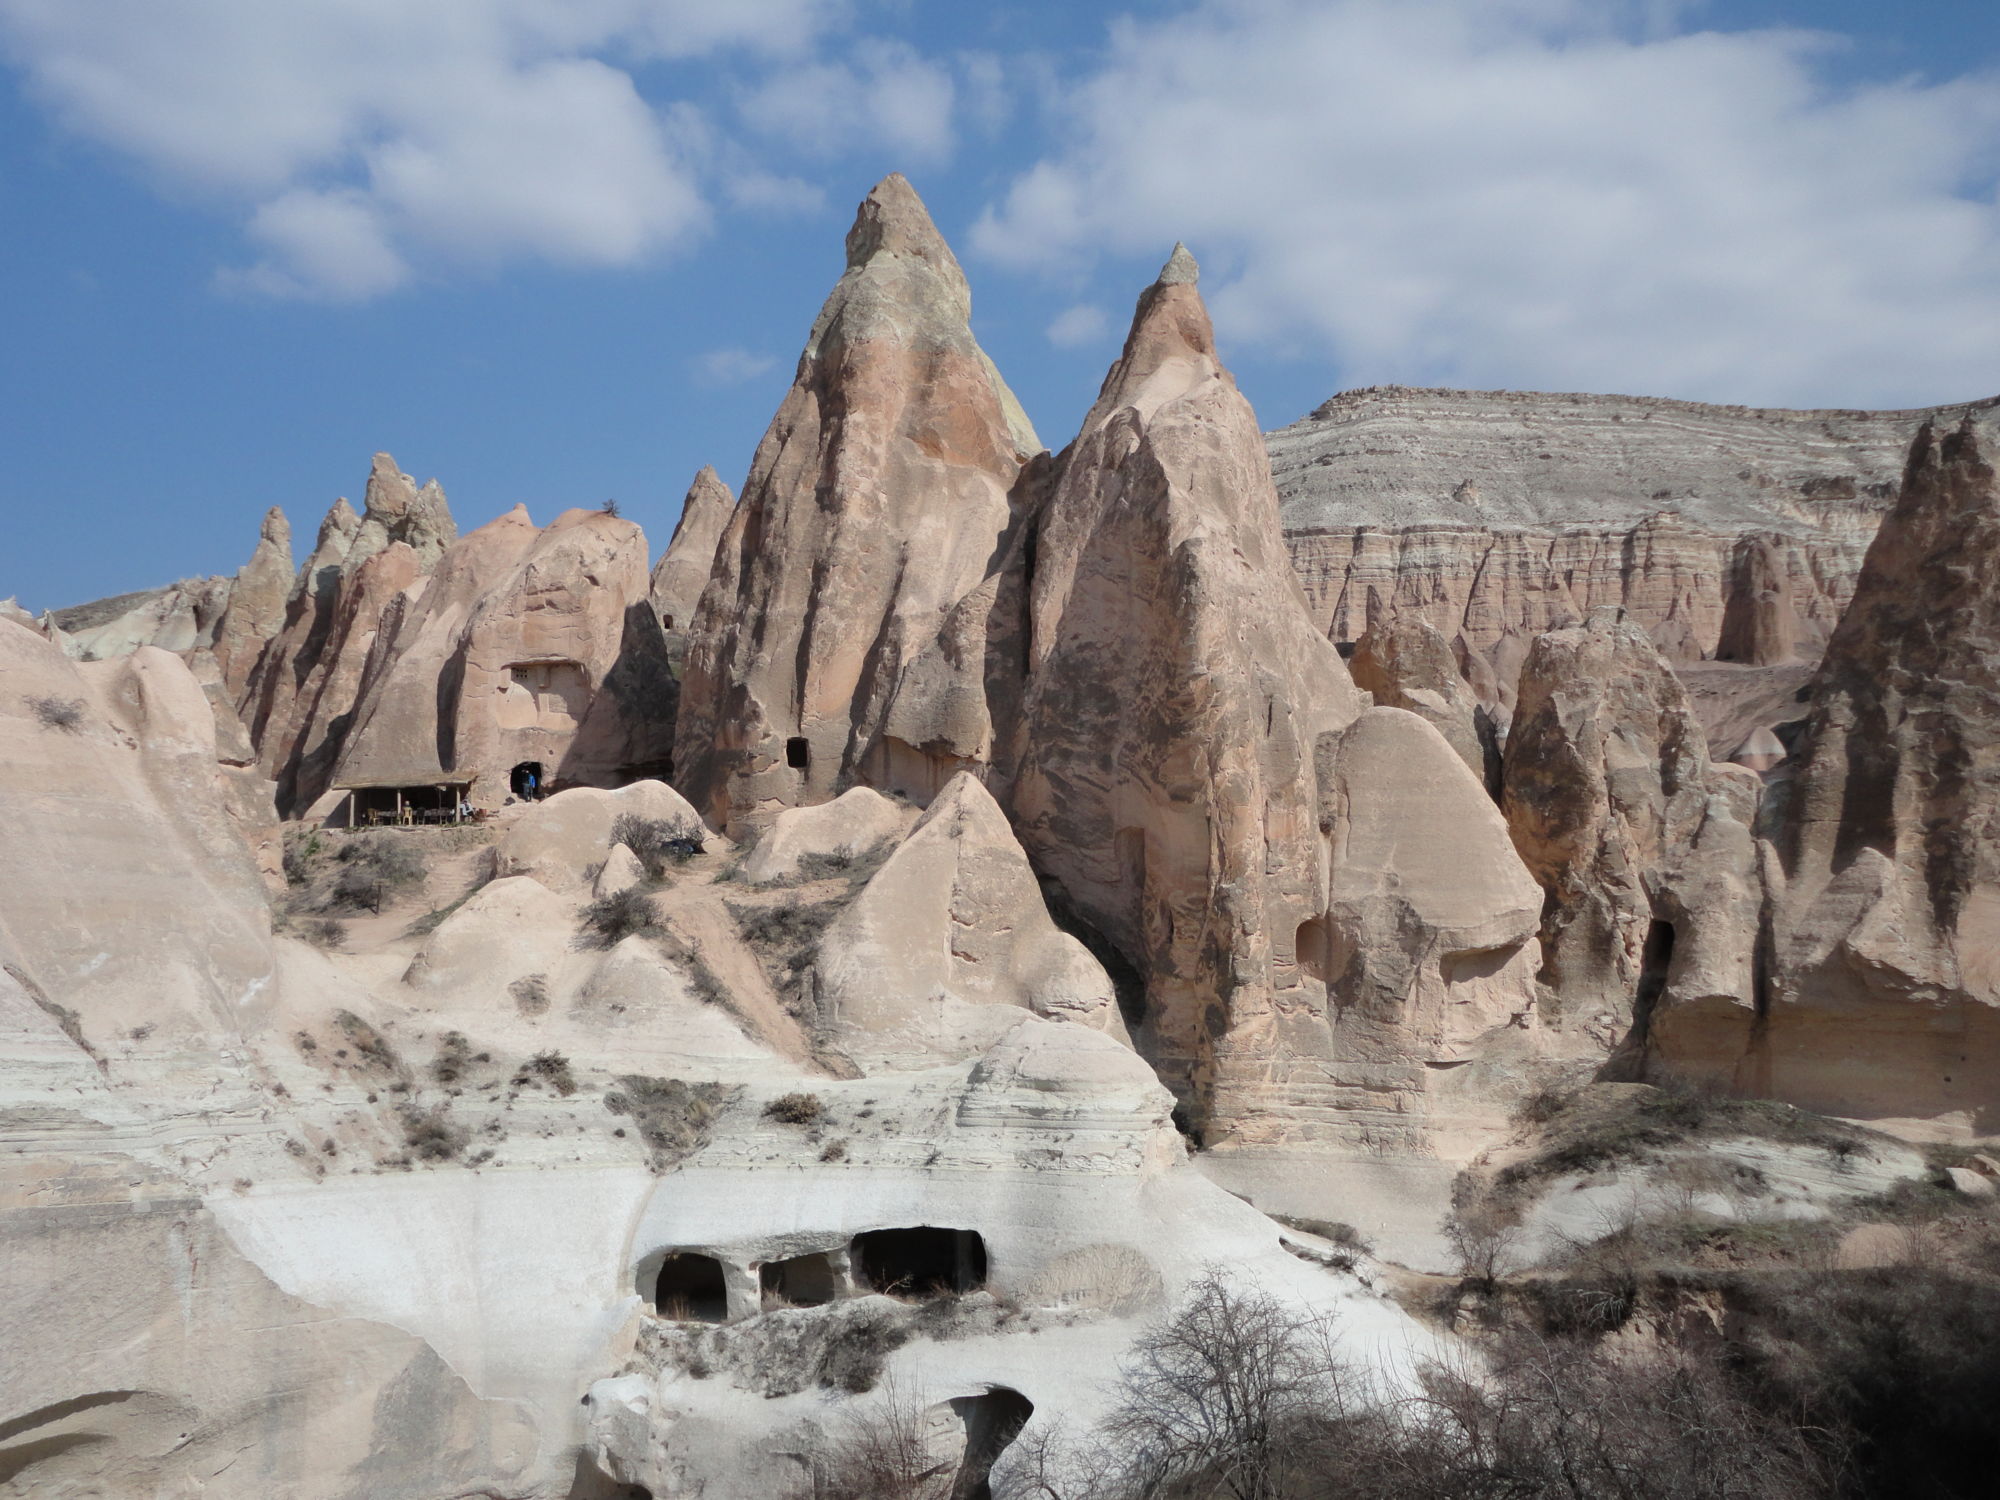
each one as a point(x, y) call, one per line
point(657, 844)
point(322, 932)
point(880, 1452)
point(372, 868)
point(674, 1118)
point(430, 1134)
point(551, 1068)
point(531, 994)
point(609, 920)
point(795, 1109)
point(62, 714)
point(454, 1056)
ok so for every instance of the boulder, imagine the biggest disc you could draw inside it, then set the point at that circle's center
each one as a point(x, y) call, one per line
point(950, 936)
point(1406, 664)
point(622, 871)
point(558, 840)
point(854, 824)
point(875, 506)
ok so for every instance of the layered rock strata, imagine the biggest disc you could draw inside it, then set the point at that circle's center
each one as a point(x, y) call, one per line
point(1884, 993)
point(830, 645)
point(1496, 515)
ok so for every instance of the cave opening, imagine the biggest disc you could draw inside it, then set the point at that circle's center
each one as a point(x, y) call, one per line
point(1654, 960)
point(992, 1421)
point(798, 752)
point(801, 1281)
point(526, 780)
point(690, 1289)
point(921, 1262)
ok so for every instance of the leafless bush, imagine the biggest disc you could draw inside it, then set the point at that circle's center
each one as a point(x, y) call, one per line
point(551, 1068)
point(454, 1055)
point(373, 866)
point(880, 1453)
point(656, 843)
point(674, 1118)
point(609, 920)
point(322, 932)
point(63, 714)
point(531, 994)
point(795, 1109)
point(430, 1134)
point(1483, 1234)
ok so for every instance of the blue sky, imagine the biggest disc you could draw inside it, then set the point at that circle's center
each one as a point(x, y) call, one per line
point(557, 251)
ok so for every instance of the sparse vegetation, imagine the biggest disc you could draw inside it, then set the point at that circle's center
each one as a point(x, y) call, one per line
point(609, 920)
point(531, 994)
point(430, 1134)
point(658, 844)
point(454, 1056)
point(674, 1118)
point(65, 715)
point(322, 932)
point(795, 1109)
point(786, 939)
point(550, 1068)
point(371, 1050)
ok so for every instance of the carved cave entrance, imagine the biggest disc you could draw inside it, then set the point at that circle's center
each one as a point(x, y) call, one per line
point(802, 1281)
point(690, 1289)
point(921, 1262)
point(526, 781)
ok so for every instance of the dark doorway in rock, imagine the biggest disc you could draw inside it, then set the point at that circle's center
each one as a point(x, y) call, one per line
point(922, 1262)
point(690, 1289)
point(802, 1281)
point(992, 1421)
point(666, 622)
point(526, 781)
point(798, 752)
point(1654, 961)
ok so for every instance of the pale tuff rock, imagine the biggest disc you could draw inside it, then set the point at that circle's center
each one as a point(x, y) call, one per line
point(1176, 689)
point(121, 827)
point(300, 697)
point(256, 609)
point(875, 504)
point(1614, 806)
point(395, 510)
point(559, 841)
point(947, 940)
point(563, 663)
point(1760, 751)
point(180, 617)
point(1886, 932)
point(683, 569)
point(1429, 934)
point(853, 825)
point(406, 720)
point(622, 871)
point(1497, 515)
point(1403, 663)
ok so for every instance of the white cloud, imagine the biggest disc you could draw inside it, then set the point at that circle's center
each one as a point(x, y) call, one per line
point(366, 139)
point(1074, 327)
point(884, 95)
point(1523, 192)
point(732, 366)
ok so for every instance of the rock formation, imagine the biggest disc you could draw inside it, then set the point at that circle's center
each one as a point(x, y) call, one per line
point(683, 569)
point(1175, 692)
point(1886, 929)
point(1643, 846)
point(1497, 515)
point(1403, 663)
point(256, 609)
point(876, 503)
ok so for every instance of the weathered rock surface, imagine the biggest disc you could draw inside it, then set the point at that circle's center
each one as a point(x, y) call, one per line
point(683, 569)
point(1643, 847)
point(1885, 999)
point(852, 826)
point(561, 840)
point(929, 961)
point(823, 651)
point(1176, 689)
point(181, 617)
point(1497, 515)
point(255, 612)
point(1403, 663)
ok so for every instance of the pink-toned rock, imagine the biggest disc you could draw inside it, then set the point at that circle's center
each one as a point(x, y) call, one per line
point(824, 650)
point(684, 568)
point(1176, 690)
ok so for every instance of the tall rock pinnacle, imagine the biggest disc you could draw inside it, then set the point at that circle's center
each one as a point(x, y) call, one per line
point(683, 569)
point(826, 648)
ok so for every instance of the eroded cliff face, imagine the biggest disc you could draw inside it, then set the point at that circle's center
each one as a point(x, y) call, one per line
point(1497, 515)
point(826, 647)
point(1885, 986)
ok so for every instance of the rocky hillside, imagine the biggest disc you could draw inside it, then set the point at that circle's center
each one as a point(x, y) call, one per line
point(862, 1005)
point(1722, 531)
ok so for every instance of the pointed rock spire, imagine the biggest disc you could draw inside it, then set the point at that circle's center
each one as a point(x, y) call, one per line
point(876, 504)
point(683, 569)
point(256, 610)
